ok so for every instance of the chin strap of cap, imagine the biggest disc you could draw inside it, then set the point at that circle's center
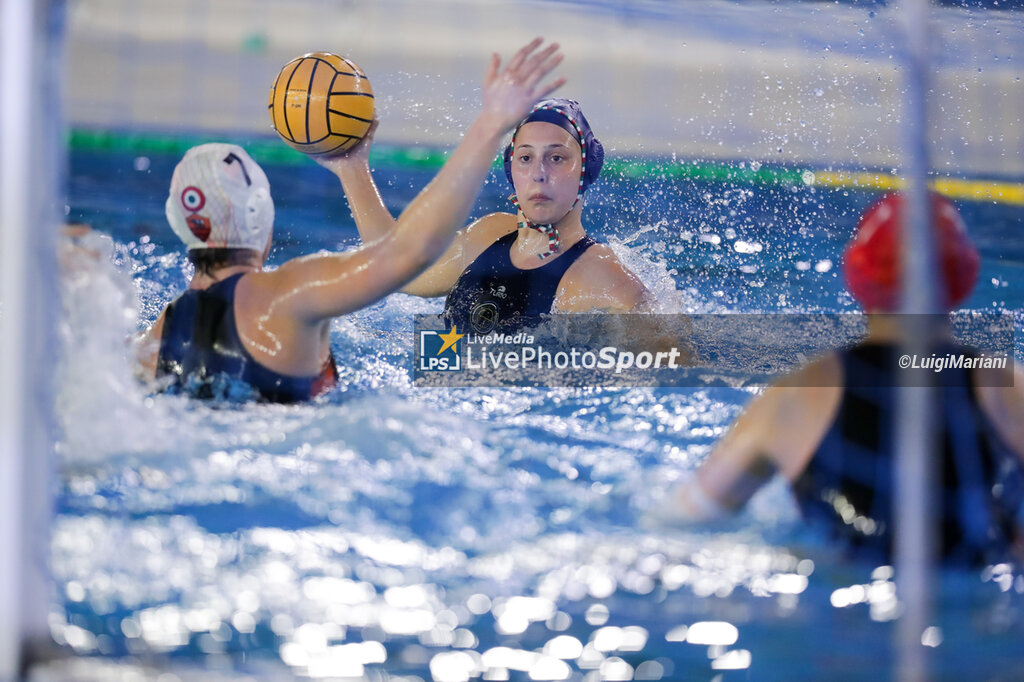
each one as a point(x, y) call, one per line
point(550, 231)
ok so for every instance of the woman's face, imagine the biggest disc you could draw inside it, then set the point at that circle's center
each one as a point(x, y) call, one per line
point(546, 167)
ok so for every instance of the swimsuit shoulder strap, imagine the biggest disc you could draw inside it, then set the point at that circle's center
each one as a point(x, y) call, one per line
point(577, 249)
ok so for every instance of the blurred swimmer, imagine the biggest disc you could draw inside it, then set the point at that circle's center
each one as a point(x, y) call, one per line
point(269, 329)
point(505, 269)
point(829, 427)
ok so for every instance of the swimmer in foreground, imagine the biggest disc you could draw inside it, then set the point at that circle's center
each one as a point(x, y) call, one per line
point(829, 427)
point(504, 268)
point(269, 329)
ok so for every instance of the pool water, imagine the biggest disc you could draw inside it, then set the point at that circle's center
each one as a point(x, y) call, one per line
point(389, 532)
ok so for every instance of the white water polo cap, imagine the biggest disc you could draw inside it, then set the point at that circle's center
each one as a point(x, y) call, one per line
point(220, 199)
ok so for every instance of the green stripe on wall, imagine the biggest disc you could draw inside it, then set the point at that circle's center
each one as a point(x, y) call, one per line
point(274, 151)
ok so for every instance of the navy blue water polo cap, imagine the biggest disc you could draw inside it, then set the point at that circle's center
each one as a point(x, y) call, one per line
point(566, 114)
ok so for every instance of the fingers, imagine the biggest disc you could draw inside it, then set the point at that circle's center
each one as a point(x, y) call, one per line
point(329, 162)
point(527, 69)
point(519, 57)
point(536, 61)
point(550, 87)
point(492, 69)
point(354, 155)
point(542, 69)
point(509, 92)
point(360, 148)
point(372, 129)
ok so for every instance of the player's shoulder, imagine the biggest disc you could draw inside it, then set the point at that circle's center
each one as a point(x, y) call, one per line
point(600, 265)
point(491, 227)
point(599, 281)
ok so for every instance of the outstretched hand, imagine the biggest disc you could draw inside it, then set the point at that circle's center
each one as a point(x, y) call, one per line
point(510, 93)
point(354, 156)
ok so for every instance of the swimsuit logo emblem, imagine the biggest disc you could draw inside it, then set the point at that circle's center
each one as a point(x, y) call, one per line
point(439, 351)
point(499, 292)
point(484, 318)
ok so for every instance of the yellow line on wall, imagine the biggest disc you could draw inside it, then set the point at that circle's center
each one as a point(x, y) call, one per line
point(1002, 192)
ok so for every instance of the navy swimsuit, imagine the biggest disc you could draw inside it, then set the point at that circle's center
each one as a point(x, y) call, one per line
point(849, 481)
point(493, 295)
point(200, 348)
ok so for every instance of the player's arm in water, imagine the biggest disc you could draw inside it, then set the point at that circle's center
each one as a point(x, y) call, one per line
point(1004, 405)
point(780, 430)
point(1001, 395)
point(776, 433)
point(323, 286)
point(79, 250)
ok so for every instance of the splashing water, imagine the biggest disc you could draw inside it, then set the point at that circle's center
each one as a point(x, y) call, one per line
point(392, 532)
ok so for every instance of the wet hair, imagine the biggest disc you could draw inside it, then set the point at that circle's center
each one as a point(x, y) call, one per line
point(207, 261)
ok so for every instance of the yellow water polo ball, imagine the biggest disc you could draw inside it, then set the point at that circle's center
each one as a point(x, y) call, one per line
point(321, 103)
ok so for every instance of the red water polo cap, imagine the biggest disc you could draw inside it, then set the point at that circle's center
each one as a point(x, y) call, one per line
point(871, 263)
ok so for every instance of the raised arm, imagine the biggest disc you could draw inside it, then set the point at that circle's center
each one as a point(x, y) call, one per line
point(318, 287)
point(374, 221)
point(372, 217)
